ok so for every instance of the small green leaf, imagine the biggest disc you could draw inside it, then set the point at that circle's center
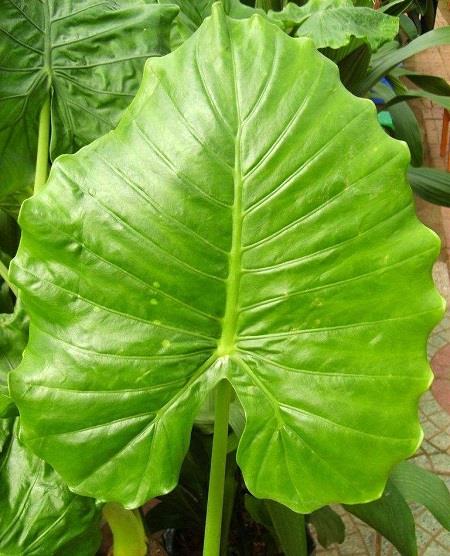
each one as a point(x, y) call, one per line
point(397, 7)
point(408, 27)
point(426, 488)
point(286, 527)
point(389, 60)
point(259, 512)
point(289, 528)
point(407, 129)
point(406, 126)
point(329, 526)
point(390, 515)
point(220, 233)
point(443, 101)
point(430, 83)
point(88, 58)
point(431, 184)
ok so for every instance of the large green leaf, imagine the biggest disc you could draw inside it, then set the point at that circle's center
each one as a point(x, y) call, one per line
point(220, 232)
point(13, 338)
point(392, 517)
point(88, 55)
point(38, 513)
point(333, 23)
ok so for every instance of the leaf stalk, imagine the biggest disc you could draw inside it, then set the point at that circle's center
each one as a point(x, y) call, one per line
point(211, 546)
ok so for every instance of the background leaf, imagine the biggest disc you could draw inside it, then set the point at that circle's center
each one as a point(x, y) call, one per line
point(38, 513)
point(333, 23)
point(407, 129)
point(13, 338)
point(390, 516)
point(392, 58)
point(406, 126)
point(192, 14)
point(417, 93)
point(88, 55)
point(289, 528)
point(431, 184)
point(328, 525)
point(185, 506)
point(430, 83)
point(354, 66)
point(421, 486)
point(205, 239)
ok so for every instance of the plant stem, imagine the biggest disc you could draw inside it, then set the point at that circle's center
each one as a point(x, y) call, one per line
point(4, 273)
point(229, 495)
point(211, 546)
point(128, 531)
point(43, 146)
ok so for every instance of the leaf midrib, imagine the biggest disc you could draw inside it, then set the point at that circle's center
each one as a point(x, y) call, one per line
point(227, 340)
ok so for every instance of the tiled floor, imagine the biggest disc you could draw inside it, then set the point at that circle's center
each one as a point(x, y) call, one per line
point(434, 453)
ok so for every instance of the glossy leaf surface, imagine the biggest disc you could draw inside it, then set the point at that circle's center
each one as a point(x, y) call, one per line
point(38, 513)
point(88, 55)
point(333, 23)
point(219, 232)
